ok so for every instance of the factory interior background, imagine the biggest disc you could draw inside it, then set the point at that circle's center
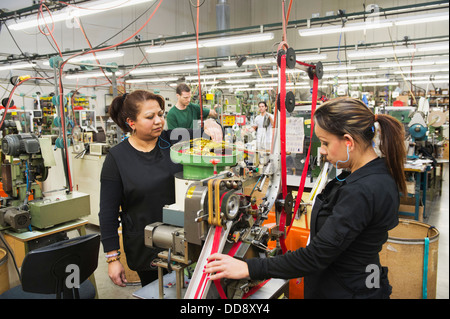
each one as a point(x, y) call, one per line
point(393, 55)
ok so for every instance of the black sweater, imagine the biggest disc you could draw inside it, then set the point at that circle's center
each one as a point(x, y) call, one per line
point(349, 224)
point(140, 184)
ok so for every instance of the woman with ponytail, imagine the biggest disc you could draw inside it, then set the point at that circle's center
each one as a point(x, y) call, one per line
point(351, 217)
point(137, 181)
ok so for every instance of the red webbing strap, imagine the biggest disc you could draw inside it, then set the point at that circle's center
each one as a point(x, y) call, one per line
point(305, 168)
point(254, 289)
point(214, 248)
point(283, 145)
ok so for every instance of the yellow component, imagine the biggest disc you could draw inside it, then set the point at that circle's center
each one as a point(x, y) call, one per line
point(307, 122)
point(228, 120)
point(209, 96)
point(24, 77)
point(214, 210)
point(190, 192)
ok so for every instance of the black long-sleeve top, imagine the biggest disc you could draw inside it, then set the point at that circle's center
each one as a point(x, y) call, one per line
point(349, 224)
point(140, 184)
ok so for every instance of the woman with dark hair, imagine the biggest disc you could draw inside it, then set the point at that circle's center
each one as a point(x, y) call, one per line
point(137, 181)
point(351, 217)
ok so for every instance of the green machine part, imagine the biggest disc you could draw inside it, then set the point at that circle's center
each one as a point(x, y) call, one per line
point(58, 209)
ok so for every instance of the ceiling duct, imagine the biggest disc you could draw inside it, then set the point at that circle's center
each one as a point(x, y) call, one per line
point(223, 23)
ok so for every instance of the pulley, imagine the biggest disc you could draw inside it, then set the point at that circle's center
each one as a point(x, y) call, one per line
point(316, 70)
point(286, 204)
point(290, 58)
point(289, 101)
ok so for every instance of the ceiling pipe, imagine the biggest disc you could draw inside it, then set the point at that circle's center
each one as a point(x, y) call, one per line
point(223, 23)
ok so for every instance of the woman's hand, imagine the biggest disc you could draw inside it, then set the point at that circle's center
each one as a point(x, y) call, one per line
point(214, 130)
point(225, 266)
point(117, 273)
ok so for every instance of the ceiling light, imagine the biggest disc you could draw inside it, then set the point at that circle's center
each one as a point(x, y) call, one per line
point(379, 52)
point(338, 67)
point(98, 56)
point(168, 68)
point(422, 18)
point(433, 47)
point(89, 75)
point(17, 66)
point(239, 39)
point(251, 80)
point(219, 76)
point(431, 81)
point(408, 64)
point(311, 57)
point(70, 12)
point(168, 79)
point(354, 74)
point(359, 26)
point(257, 61)
point(207, 43)
point(422, 71)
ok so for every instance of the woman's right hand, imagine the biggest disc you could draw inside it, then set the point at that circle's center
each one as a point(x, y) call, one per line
point(117, 273)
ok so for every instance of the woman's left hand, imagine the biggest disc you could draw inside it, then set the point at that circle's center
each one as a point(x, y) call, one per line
point(214, 130)
point(225, 266)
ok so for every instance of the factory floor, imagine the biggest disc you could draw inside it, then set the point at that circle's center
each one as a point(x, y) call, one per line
point(438, 212)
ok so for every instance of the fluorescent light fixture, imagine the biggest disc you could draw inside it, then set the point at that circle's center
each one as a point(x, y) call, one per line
point(70, 12)
point(348, 27)
point(230, 86)
point(350, 75)
point(311, 57)
point(168, 68)
point(338, 67)
point(172, 47)
point(433, 47)
point(265, 84)
point(208, 43)
point(431, 81)
point(422, 71)
point(257, 61)
point(219, 76)
point(374, 24)
point(238, 39)
point(154, 80)
point(91, 59)
point(420, 78)
point(17, 66)
point(409, 64)
point(204, 83)
point(89, 75)
point(379, 52)
point(98, 56)
point(421, 18)
point(288, 71)
point(251, 80)
point(254, 89)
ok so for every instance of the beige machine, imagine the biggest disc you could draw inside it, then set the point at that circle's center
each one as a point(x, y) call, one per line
point(26, 160)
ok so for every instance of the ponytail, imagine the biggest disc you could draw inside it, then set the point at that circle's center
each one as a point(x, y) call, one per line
point(393, 149)
point(346, 115)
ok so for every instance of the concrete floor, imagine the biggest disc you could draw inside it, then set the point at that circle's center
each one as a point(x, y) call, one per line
point(438, 217)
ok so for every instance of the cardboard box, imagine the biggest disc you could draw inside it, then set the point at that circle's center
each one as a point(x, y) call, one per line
point(404, 99)
point(408, 205)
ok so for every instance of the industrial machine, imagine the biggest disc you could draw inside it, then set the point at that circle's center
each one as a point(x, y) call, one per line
point(213, 213)
point(26, 160)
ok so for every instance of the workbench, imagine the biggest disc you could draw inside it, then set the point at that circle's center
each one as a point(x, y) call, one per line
point(420, 173)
